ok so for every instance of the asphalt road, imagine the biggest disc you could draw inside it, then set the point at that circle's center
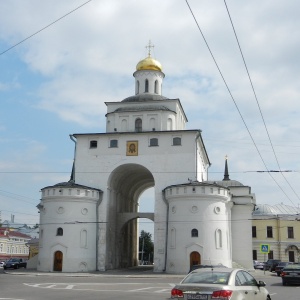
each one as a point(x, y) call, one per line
point(139, 284)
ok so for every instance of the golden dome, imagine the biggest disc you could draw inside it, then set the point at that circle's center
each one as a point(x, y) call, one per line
point(149, 63)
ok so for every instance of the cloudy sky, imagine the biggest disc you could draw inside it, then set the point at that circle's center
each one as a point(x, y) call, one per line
point(73, 55)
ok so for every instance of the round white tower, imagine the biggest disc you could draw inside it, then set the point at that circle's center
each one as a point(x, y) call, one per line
point(68, 228)
point(198, 227)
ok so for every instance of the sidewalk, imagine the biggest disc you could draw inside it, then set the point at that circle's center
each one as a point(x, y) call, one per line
point(136, 272)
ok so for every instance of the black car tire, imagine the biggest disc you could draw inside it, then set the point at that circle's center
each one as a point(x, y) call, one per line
point(4, 268)
point(283, 282)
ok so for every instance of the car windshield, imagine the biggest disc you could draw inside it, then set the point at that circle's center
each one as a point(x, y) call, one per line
point(292, 266)
point(212, 277)
point(13, 260)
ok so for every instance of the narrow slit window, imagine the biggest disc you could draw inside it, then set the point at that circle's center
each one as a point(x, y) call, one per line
point(60, 232)
point(156, 87)
point(146, 86)
point(138, 125)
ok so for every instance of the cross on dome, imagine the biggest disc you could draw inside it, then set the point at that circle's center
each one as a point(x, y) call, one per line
point(149, 46)
point(149, 63)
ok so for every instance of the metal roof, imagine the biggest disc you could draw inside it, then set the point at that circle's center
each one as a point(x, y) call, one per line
point(277, 209)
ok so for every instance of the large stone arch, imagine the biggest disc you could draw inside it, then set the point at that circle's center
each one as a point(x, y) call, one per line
point(125, 184)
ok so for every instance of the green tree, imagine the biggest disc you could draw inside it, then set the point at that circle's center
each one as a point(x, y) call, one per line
point(146, 247)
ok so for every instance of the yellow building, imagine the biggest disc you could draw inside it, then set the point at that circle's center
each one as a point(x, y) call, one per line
point(33, 246)
point(13, 244)
point(278, 227)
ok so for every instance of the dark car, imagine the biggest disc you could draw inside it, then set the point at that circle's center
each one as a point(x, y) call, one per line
point(195, 267)
point(280, 266)
point(15, 263)
point(271, 264)
point(291, 274)
point(220, 283)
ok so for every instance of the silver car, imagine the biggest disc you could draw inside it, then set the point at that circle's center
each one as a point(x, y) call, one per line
point(220, 283)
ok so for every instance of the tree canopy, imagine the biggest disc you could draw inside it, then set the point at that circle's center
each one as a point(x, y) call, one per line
point(146, 247)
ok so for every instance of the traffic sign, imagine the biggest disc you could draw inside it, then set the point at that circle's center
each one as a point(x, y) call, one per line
point(264, 248)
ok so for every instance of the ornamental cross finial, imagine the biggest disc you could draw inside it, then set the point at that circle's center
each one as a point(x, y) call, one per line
point(149, 46)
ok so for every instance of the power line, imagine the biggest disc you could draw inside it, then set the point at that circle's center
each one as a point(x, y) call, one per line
point(16, 197)
point(20, 213)
point(44, 28)
point(153, 172)
point(257, 102)
point(229, 91)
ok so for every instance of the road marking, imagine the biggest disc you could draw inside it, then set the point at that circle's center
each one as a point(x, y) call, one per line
point(69, 287)
point(33, 285)
point(50, 286)
point(136, 290)
point(10, 299)
point(100, 287)
point(163, 291)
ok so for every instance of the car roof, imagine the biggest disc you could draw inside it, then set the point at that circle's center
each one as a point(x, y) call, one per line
point(218, 269)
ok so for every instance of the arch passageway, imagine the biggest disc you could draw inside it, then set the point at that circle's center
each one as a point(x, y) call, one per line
point(126, 184)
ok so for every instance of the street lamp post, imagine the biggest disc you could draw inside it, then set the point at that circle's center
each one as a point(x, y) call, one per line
point(143, 244)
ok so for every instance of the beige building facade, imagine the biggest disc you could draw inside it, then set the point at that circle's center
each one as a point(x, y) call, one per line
point(13, 244)
point(279, 227)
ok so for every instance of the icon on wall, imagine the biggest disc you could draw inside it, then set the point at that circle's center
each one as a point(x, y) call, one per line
point(132, 148)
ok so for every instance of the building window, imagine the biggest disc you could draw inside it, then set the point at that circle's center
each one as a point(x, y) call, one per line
point(254, 231)
point(290, 232)
point(269, 231)
point(59, 231)
point(271, 255)
point(153, 142)
point(194, 233)
point(146, 86)
point(138, 125)
point(176, 141)
point(254, 254)
point(156, 87)
point(291, 256)
point(218, 236)
point(137, 87)
point(93, 144)
point(113, 143)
